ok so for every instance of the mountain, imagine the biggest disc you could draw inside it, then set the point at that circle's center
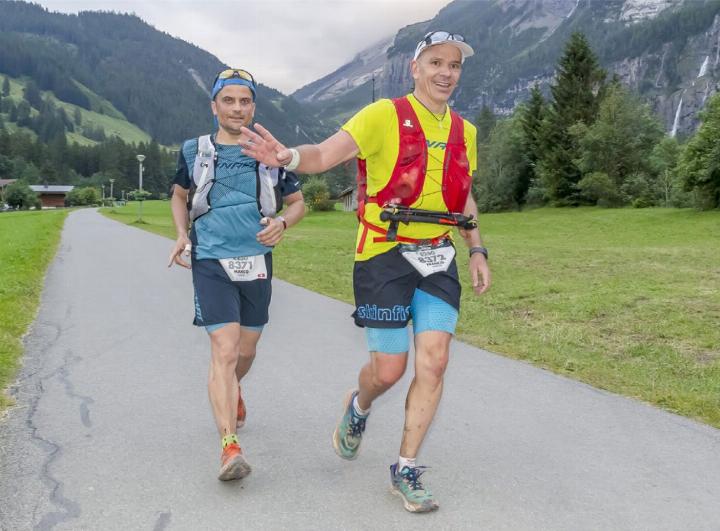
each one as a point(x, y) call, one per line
point(155, 81)
point(356, 73)
point(668, 51)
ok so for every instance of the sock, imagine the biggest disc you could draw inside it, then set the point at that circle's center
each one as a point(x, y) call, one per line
point(405, 462)
point(229, 439)
point(359, 412)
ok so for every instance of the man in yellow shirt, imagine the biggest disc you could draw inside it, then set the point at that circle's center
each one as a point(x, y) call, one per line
point(416, 158)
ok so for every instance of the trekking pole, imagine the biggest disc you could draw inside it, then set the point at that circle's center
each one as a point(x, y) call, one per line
point(406, 215)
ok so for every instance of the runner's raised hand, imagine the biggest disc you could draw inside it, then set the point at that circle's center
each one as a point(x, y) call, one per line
point(264, 147)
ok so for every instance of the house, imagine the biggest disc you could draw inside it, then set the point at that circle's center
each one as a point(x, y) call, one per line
point(51, 195)
point(349, 199)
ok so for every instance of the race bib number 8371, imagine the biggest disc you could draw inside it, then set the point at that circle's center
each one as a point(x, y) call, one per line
point(244, 268)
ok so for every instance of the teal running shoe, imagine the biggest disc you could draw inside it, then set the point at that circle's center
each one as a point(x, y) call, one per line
point(406, 484)
point(349, 431)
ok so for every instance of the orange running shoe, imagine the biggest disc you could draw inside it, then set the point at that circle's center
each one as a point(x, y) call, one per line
point(241, 412)
point(233, 464)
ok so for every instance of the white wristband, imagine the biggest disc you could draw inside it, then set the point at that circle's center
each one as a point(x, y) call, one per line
point(294, 161)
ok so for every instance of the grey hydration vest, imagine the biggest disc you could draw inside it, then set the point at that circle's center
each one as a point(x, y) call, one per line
point(203, 178)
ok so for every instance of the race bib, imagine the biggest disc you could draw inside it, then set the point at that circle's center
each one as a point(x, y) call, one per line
point(428, 259)
point(244, 268)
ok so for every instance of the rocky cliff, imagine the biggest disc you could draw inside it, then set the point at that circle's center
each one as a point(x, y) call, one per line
point(665, 50)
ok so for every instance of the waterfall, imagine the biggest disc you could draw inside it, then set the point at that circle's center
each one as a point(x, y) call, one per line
point(676, 122)
point(577, 2)
point(704, 67)
point(662, 66)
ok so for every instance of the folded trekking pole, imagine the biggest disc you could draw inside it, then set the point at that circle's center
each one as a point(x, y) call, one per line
point(396, 215)
point(406, 215)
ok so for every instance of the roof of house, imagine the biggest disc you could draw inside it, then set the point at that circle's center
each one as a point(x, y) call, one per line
point(347, 191)
point(51, 188)
point(5, 182)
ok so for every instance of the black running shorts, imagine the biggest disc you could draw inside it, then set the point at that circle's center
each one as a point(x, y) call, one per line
point(385, 284)
point(220, 300)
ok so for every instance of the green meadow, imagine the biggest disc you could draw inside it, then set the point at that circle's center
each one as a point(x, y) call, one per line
point(626, 300)
point(28, 241)
point(102, 114)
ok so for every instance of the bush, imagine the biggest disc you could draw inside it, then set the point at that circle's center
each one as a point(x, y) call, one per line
point(317, 195)
point(641, 189)
point(680, 198)
point(599, 187)
point(83, 197)
point(20, 195)
point(138, 195)
point(642, 202)
point(537, 195)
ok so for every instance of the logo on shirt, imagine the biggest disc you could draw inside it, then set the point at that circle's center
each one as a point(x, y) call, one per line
point(236, 165)
point(407, 123)
point(438, 145)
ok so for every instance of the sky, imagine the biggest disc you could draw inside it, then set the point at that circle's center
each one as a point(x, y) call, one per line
point(285, 44)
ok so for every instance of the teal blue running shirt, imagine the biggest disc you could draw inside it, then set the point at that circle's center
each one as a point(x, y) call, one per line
point(230, 228)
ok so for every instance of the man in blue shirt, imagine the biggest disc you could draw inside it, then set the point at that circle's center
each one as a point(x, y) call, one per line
point(231, 200)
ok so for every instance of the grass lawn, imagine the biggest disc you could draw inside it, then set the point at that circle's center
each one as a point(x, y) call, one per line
point(625, 300)
point(28, 241)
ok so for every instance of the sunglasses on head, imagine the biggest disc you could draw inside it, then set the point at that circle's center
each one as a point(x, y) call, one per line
point(235, 73)
point(434, 37)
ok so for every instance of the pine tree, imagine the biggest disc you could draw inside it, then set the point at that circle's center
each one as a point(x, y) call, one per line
point(485, 123)
point(576, 94)
point(65, 119)
point(531, 118)
point(32, 94)
point(23, 114)
point(12, 111)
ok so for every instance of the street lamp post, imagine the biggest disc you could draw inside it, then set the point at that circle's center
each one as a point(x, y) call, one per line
point(112, 197)
point(102, 201)
point(140, 159)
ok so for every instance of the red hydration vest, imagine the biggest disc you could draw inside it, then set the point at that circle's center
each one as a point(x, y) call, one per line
point(408, 176)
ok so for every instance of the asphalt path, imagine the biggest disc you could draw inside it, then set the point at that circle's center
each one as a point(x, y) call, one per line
point(112, 427)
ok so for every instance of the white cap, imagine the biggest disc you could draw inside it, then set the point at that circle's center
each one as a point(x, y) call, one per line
point(433, 38)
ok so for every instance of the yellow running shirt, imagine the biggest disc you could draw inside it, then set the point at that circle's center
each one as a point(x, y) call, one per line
point(375, 131)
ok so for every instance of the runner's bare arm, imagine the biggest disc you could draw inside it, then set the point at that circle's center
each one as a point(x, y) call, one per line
point(479, 269)
point(314, 158)
point(178, 205)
